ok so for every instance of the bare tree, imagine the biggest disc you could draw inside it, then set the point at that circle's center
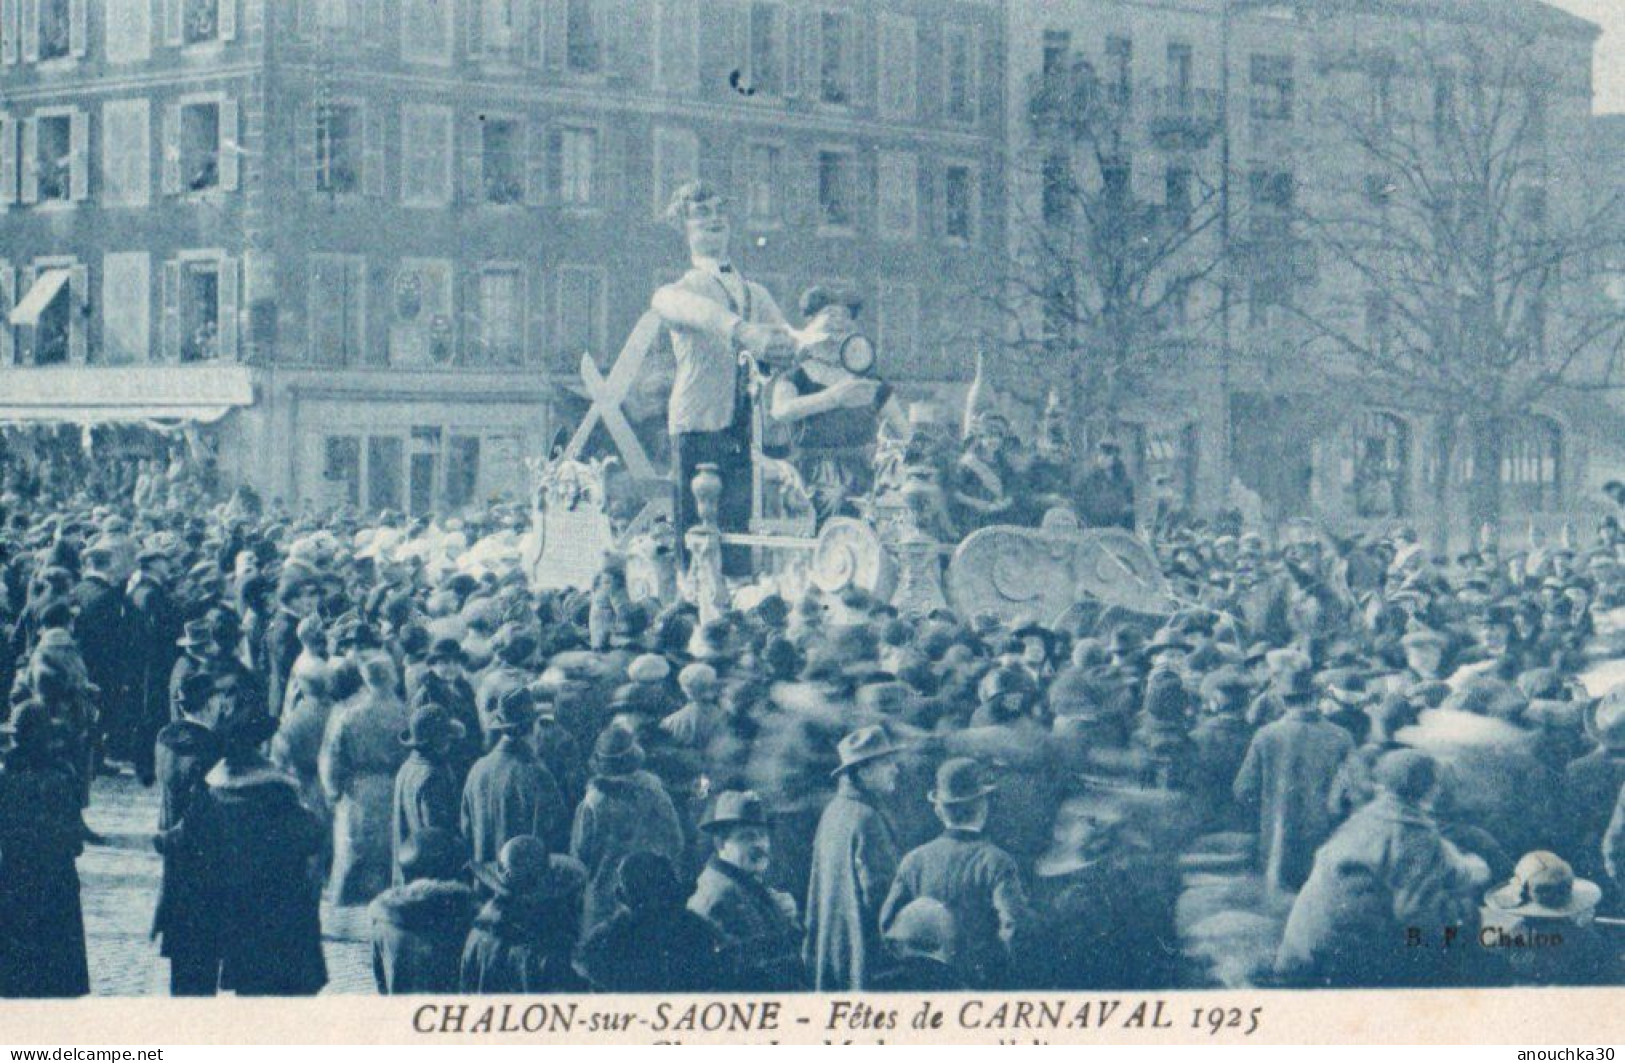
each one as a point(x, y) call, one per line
point(1464, 253)
point(1099, 289)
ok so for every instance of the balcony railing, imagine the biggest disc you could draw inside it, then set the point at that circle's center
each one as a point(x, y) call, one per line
point(1075, 104)
point(1180, 116)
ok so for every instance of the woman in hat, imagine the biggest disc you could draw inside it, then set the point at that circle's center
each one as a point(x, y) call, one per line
point(522, 938)
point(832, 410)
point(257, 850)
point(759, 922)
point(359, 760)
point(42, 925)
point(187, 750)
point(625, 810)
point(429, 785)
point(1541, 926)
point(446, 684)
point(509, 791)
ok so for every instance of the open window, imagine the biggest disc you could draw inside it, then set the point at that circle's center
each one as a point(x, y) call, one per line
point(338, 149)
point(502, 160)
point(200, 146)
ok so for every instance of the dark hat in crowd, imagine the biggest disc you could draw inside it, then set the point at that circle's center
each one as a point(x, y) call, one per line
point(32, 727)
point(515, 711)
point(736, 808)
point(862, 746)
point(616, 752)
point(959, 780)
point(195, 636)
point(1408, 774)
point(431, 853)
point(447, 650)
point(647, 882)
point(430, 726)
point(523, 868)
point(244, 726)
point(514, 644)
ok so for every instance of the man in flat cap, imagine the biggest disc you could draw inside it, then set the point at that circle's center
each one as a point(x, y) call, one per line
point(714, 315)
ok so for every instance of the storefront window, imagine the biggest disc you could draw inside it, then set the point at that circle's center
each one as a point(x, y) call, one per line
point(200, 312)
point(462, 471)
point(1381, 457)
point(341, 469)
point(385, 456)
point(1532, 466)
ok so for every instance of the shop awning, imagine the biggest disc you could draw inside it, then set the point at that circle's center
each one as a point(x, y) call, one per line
point(46, 288)
point(166, 394)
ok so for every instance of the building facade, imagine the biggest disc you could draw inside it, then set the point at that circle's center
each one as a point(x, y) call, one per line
point(396, 226)
point(1252, 101)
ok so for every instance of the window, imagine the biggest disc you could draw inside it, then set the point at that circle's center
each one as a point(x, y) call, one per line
point(1532, 465)
point(502, 316)
point(200, 147)
point(59, 334)
point(338, 149)
point(959, 75)
point(959, 203)
point(677, 160)
point(501, 29)
point(1120, 69)
point(424, 468)
point(1272, 88)
point(578, 153)
point(835, 190)
point(426, 134)
point(767, 58)
point(421, 329)
point(1117, 183)
point(1057, 189)
point(200, 21)
point(53, 157)
point(55, 32)
point(1272, 189)
point(764, 178)
point(1180, 60)
point(385, 456)
point(1057, 52)
point(1176, 194)
point(126, 154)
point(583, 52)
point(200, 311)
point(580, 315)
point(897, 325)
point(899, 66)
point(337, 296)
point(128, 31)
point(502, 161)
point(834, 57)
point(462, 471)
point(1379, 324)
point(678, 57)
point(1444, 107)
point(341, 470)
point(426, 31)
point(898, 194)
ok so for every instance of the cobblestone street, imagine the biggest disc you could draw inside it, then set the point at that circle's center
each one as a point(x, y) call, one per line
point(120, 885)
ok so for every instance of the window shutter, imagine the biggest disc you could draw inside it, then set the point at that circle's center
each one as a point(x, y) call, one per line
point(617, 22)
point(305, 144)
point(78, 321)
point(8, 299)
point(30, 153)
point(77, 31)
point(473, 340)
point(791, 51)
point(860, 44)
point(30, 30)
point(172, 150)
point(8, 30)
point(808, 56)
point(372, 150)
point(79, 157)
point(8, 161)
point(554, 32)
point(735, 38)
point(474, 162)
point(228, 295)
point(25, 281)
point(929, 226)
point(231, 156)
point(538, 148)
point(228, 20)
point(172, 22)
point(614, 167)
point(532, 18)
point(522, 315)
point(476, 28)
point(172, 311)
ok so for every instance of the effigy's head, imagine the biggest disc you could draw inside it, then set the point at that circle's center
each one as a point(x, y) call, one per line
point(699, 211)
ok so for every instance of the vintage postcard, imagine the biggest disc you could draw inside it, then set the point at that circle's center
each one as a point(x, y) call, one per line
point(755, 521)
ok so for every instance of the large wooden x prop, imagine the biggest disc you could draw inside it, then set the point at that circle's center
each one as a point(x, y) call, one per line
point(608, 393)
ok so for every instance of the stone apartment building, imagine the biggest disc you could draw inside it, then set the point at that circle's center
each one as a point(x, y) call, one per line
point(361, 245)
point(1239, 97)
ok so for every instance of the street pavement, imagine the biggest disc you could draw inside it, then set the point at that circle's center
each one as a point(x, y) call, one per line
point(119, 885)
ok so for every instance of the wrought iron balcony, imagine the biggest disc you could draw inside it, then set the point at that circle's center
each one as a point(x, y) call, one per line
point(1180, 117)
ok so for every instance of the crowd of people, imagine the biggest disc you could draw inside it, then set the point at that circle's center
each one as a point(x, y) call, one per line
point(1334, 746)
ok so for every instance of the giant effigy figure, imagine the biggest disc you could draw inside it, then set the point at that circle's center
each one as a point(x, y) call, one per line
point(833, 404)
point(716, 317)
